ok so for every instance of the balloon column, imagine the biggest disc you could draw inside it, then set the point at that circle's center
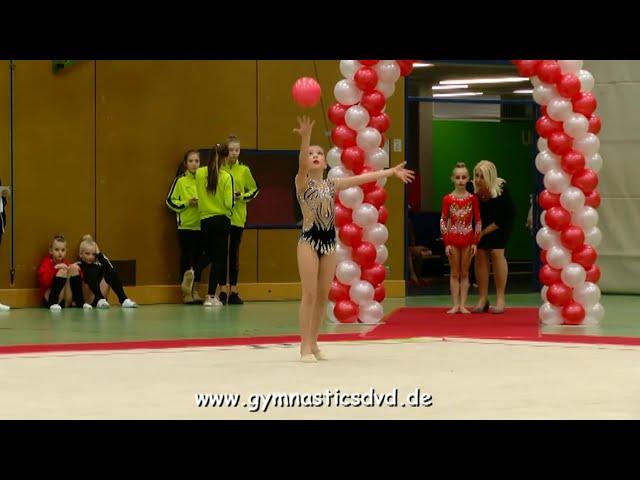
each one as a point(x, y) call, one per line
point(569, 159)
point(358, 138)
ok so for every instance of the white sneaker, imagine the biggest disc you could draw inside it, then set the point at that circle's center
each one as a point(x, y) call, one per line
point(87, 306)
point(212, 302)
point(4, 308)
point(102, 303)
point(55, 307)
point(128, 303)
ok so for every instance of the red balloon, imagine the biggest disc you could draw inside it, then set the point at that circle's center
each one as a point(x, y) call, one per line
point(572, 237)
point(527, 68)
point(374, 275)
point(559, 143)
point(353, 158)
point(366, 78)
point(343, 215)
point(557, 218)
point(543, 110)
point(545, 126)
point(380, 122)
point(593, 199)
point(585, 103)
point(406, 67)
point(346, 311)
point(569, 85)
point(351, 235)
point(595, 124)
point(383, 214)
point(559, 294)
point(336, 113)
point(573, 313)
point(586, 180)
point(368, 63)
point(543, 257)
point(593, 274)
point(380, 293)
point(548, 71)
point(338, 292)
point(365, 254)
point(367, 187)
point(572, 162)
point(585, 255)
point(374, 102)
point(376, 197)
point(549, 275)
point(343, 137)
point(547, 200)
point(306, 92)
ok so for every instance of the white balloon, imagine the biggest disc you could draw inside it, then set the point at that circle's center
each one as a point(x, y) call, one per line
point(556, 180)
point(387, 89)
point(388, 71)
point(585, 217)
point(588, 145)
point(339, 172)
point(348, 272)
point(572, 199)
point(376, 234)
point(333, 157)
point(594, 162)
point(361, 292)
point(535, 81)
point(546, 161)
point(587, 82)
point(369, 139)
point(570, 66)
point(381, 254)
point(370, 312)
point(558, 257)
point(348, 68)
point(347, 92)
point(365, 215)
point(542, 144)
point(330, 316)
point(587, 294)
point(547, 238)
point(573, 275)
point(543, 94)
point(559, 109)
point(576, 125)
point(595, 314)
point(351, 197)
point(377, 159)
point(550, 315)
point(356, 117)
point(543, 218)
point(593, 237)
point(343, 252)
point(543, 293)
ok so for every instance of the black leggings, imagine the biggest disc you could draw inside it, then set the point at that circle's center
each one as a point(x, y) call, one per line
point(94, 273)
point(192, 253)
point(215, 237)
point(58, 285)
point(235, 237)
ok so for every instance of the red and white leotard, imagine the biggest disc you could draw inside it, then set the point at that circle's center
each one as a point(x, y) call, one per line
point(459, 214)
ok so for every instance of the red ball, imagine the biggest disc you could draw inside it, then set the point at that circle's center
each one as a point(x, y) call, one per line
point(547, 200)
point(585, 256)
point(406, 67)
point(368, 63)
point(593, 274)
point(543, 257)
point(595, 124)
point(376, 197)
point(586, 180)
point(549, 275)
point(343, 137)
point(572, 162)
point(351, 235)
point(593, 199)
point(336, 113)
point(568, 85)
point(585, 103)
point(367, 187)
point(374, 275)
point(548, 71)
point(380, 293)
point(559, 294)
point(380, 122)
point(346, 311)
point(545, 126)
point(338, 292)
point(572, 237)
point(365, 255)
point(527, 68)
point(343, 215)
point(366, 79)
point(557, 218)
point(383, 214)
point(374, 102)
point(353, 158)
point(573, 313)
point(306, 92)
point(559, 143)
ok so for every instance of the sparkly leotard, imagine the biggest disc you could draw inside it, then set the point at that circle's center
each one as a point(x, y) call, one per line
point(317, 201)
